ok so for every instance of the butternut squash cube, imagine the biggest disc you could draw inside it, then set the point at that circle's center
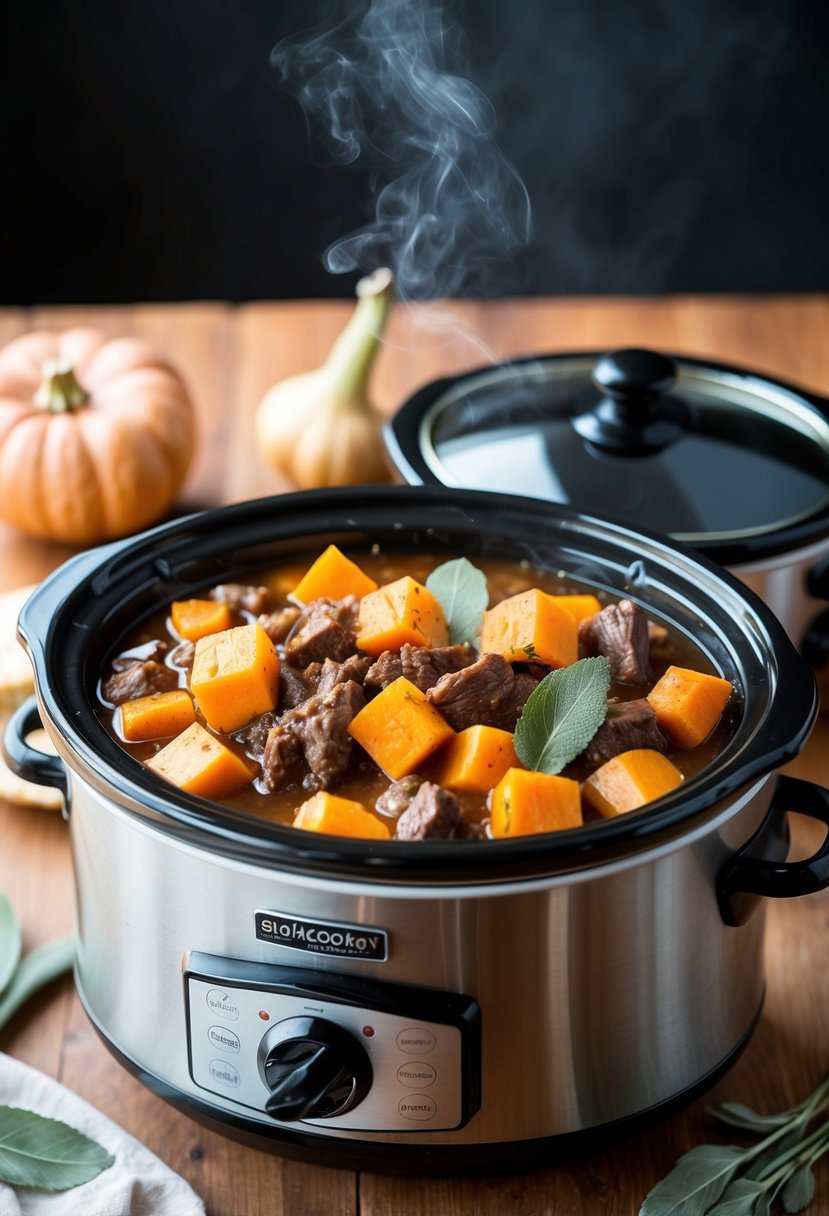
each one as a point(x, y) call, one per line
point(200, 763)
point(476, 759)
point(630, 780)
point(194, 619)
point(332, 575)
point(400, 729)
point(531, 626)
point(524, 803)
point(580, 607)
point(399, 612)
point(339, 817)
point(157, 716)
point(688, 704)
point(235, 676)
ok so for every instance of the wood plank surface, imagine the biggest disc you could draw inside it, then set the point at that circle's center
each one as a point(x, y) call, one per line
point(229, 356)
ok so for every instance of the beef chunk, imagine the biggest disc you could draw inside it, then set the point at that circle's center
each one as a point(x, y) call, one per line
point(434, 813)
point(420, 664)
point(139, 679)
point(254, 736)
point(324, 676)
point(238, 596)
point(184, 654)
point(325, 631)
point(293, 687)
point(619, 631)
point(487, 692)
point(278, 625)
point(395, 800)
point(317, 732)
point(628, 724)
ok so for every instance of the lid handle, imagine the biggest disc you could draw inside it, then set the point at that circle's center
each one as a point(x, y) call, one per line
point(635, 416)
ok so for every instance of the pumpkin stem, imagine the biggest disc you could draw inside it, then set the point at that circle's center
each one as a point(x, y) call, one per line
point(351, 357)
point(59, 391)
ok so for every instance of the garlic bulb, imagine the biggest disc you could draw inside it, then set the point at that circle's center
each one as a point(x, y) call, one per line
point(319, 427)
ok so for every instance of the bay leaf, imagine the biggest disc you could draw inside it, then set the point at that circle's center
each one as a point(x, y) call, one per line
point(461, 590)
point(562, 715)
point(46, 1153)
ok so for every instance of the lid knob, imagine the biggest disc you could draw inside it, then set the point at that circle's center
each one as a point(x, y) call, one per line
point(635, 416)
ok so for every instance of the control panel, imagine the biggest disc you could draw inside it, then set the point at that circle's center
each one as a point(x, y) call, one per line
point(332, 1051)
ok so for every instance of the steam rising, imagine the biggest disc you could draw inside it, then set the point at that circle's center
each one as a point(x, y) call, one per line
point(386, 87)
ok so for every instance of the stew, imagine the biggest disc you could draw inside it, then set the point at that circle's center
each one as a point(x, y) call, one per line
point(407, 697)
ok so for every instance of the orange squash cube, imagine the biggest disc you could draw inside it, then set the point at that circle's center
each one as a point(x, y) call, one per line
point(524, 803)
point(235, 676)
point(194, 619)
point(339, 817)
point(157, 716)
point(688, 704)
point(332, 575)
point(531, 626)
point(200, 763)
point(399, 612)
point(630, 780)
point(580, 607)
point(476, 759)
point(400, 729)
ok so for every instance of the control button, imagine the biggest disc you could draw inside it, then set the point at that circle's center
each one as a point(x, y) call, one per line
point(223, 1004)
point(224, 1074)
point(223, 1038)
point(417, 1106)
point(415, 1041)
point(416, 1075)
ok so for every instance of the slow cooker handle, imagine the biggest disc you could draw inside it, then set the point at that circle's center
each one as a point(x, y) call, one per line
point(27, 762)
point(744, 879)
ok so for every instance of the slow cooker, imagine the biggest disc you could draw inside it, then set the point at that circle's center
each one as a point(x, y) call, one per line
point(729, 461)
point(435, 1005)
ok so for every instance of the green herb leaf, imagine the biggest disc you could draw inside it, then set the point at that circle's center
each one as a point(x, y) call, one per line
point(562, 715)
point(743, 1198)
point(9, 942)
point(695, 1183)
point(460, 589)
point(40, 967)
point(768, 1160)
point(799, 1190)
point(739, 1115)
point(45, 1153)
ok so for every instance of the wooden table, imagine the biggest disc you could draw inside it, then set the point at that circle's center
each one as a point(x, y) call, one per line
point(229, 356)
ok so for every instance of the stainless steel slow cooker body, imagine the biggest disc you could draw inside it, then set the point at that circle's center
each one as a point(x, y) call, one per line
point(456, 996)
point(717, 456)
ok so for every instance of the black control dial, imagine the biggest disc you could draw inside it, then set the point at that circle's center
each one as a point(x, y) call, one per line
point(313, 1068)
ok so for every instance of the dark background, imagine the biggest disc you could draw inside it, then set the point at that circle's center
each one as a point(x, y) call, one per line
point(150, 153)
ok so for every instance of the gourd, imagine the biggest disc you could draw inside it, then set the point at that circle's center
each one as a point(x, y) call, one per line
point(96, 435)
point(319, 428)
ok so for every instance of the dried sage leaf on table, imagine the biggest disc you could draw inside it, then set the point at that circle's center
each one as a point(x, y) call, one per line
point(46, 1153)
point(40, 967)
point(695, 1183)
point(10, 942)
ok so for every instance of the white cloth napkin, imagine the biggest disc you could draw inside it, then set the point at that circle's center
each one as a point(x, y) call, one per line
point(137, 1184)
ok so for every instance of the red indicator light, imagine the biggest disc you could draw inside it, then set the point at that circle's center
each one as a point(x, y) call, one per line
point(368, 1031)
point(264, 1015)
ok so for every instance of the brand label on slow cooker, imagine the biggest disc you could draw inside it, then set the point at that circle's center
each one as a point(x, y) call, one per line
point(323, 937)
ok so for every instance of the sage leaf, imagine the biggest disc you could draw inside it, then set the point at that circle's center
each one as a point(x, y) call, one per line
point(40, 967)
point(45, 1153)
point(799, 1189)
point(743, 1198)
point(562, 715)
point(9, 942)
point(460, 589)
point(695, 1183)
point(768, 1161)
point(737, 1114)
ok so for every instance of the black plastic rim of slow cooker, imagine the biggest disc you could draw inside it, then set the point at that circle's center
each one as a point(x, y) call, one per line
point(402, 435)
point(87, 598)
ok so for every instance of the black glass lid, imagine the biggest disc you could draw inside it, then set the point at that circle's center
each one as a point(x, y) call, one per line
point(714, 456)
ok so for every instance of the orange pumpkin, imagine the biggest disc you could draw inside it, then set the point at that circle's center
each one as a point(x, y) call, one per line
point(96, 435)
